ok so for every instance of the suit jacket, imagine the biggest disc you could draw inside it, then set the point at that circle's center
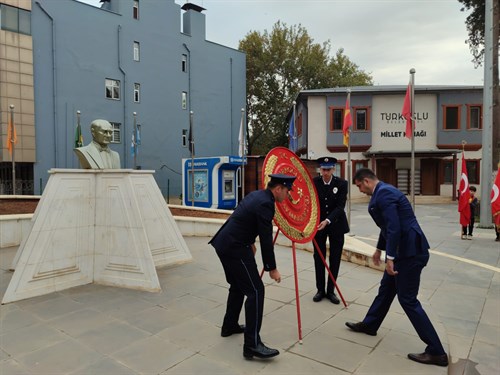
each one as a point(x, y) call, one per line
point(90, 157)
point(332, 199)
point(400, 234)
point(253, 217)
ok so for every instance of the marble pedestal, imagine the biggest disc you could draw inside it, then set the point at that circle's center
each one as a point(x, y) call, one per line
point(108, 227)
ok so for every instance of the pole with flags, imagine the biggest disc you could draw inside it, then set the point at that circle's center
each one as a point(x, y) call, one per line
point(134, 139)
point(407, 112)
point(292, 131)
point(495, 201)
point(191, 150)
point(242, 150)
point(346, 128)
point(463, 199)
point(11, 142)
point(78, 131)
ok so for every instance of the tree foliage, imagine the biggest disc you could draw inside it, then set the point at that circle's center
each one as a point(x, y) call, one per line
point(475, 28)
point(281, 63)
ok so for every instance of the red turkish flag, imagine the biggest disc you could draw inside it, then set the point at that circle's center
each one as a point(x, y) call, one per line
point(463, 200)
point(495, 199)
point(406, 112)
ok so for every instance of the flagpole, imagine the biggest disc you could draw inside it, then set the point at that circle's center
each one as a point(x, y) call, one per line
point(78, 130)
point(12, 140)
point(191, 113)
point(412, 121)
point(243, 154)
point(134, 139)
point(349, 179)
point(295, 141)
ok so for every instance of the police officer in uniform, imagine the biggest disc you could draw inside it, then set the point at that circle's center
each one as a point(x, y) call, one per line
point(235, 246)
point(332, 196)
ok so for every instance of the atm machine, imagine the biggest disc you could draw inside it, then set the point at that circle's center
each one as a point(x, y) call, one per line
point(215, 184)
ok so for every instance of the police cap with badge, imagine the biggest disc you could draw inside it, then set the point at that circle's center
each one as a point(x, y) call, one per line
point(327, 162)
point(283, 179)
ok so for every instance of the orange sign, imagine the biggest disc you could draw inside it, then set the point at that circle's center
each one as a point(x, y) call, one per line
point(297, 217)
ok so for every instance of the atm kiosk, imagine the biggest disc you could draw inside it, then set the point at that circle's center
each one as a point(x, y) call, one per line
point(216, 181)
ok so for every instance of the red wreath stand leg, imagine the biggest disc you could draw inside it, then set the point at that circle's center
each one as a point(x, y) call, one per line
point(295, 274)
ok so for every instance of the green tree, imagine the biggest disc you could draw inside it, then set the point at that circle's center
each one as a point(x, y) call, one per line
point(281, 63)
point(475, 28)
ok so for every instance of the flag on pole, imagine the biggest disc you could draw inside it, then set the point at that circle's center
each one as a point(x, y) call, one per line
point(406, 112)
point(241, 139)
point(292, 133)
point(11, 135)
point(78, 136)
point(463, 199)
point(191, 137)
point(132, 144)
point(495, 200)
point(347, 120)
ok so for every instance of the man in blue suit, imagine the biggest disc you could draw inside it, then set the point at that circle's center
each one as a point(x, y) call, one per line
point(235, 246)
point(407, 253)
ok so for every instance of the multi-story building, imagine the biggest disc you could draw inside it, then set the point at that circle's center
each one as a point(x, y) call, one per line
point(16, 89)
point(448, 120)
point(140, 64)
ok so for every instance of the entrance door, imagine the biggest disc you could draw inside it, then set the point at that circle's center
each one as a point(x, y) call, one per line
point(386, 171)
point(429, 176)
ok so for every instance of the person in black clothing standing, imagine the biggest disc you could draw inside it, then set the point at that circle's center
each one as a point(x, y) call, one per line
point(332, 195)
point(235, 246)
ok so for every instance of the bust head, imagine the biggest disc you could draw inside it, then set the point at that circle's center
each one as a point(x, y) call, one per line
point(102, 132)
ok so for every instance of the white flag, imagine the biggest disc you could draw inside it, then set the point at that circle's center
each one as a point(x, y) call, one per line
point(241, 139)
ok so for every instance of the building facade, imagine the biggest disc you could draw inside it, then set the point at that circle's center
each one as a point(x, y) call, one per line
point(140, 64)
point(448, 120)
point(16, 89)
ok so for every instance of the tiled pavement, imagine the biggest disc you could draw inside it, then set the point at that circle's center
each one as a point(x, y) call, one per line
point(96, 329)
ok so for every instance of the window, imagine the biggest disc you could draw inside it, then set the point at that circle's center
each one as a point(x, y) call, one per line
point(336, 118)
point(474, 117)
point(137, 51)
point(184, 138)
point(447, 173)
point(112, 89)
point(24, 22)
point(451, 117)
point(10, 18)
point(361, 118)
point(184, 99)
point(184, 63)
point(137, 92)
point(339, 169)
point(136, 9)
point(116, 138)
point(472, 171)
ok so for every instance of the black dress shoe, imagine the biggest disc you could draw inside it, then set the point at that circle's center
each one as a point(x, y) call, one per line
point(429, 359)
point(361, 327)
point(318, 296)
point(333, 298)
point(225, 332)
point(260, 351)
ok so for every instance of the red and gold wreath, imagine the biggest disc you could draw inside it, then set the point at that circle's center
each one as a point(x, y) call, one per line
point(297, 217)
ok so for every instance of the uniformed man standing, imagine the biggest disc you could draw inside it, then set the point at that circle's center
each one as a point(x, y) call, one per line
point(332, 195)
point(235, 246)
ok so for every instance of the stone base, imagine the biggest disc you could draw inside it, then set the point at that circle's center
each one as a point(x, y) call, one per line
point(104, 226)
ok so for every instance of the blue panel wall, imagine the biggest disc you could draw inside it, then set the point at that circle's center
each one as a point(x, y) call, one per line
point(77, 46)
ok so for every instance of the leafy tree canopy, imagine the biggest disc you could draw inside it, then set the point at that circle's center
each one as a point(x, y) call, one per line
point(475, 28)
point(281, 63)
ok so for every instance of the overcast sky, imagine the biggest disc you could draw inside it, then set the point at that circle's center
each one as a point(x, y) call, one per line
point(383, 37)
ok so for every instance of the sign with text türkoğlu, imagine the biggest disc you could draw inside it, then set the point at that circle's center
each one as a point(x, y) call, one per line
point(388, 125)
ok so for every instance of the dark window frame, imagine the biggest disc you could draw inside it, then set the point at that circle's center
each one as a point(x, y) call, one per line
point(445, 114)
point(470, 107)
point(367, 119)
point(334, 109)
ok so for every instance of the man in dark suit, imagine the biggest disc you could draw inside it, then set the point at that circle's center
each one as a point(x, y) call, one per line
point(235, 246)
point(332, 195)
point(407, 253)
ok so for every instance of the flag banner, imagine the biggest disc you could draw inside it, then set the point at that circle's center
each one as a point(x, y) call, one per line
point(495, 200)
point(406, 112)
point(292, 133)
point(241, 139)
point(191, 139)
point(78, 136)
point(11, 135)
point(347, 120)
point(138, 135)
point(463, 199)
point(132, 145)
